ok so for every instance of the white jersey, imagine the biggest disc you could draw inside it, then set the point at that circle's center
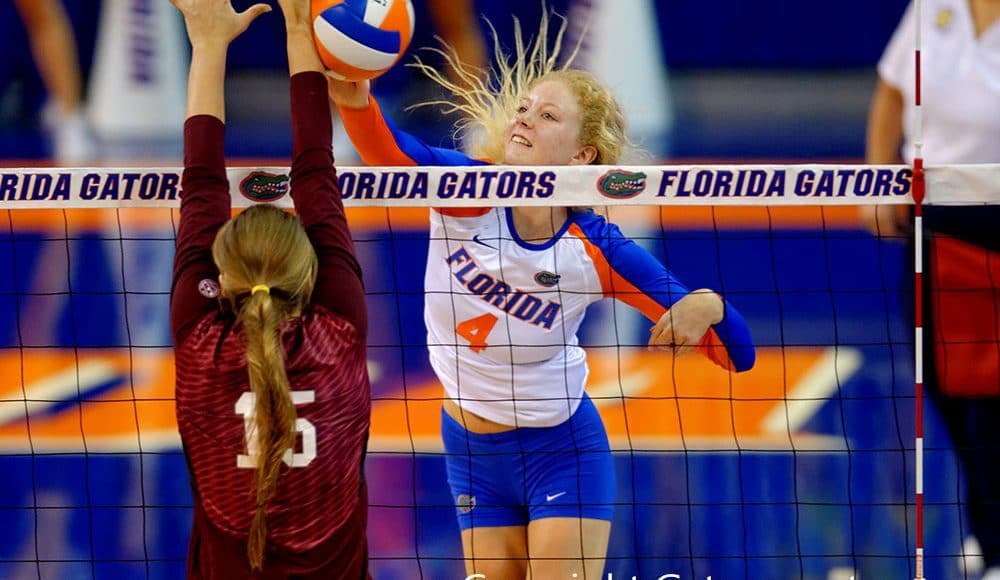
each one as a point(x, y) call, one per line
point(502, 314)
point(961, 83)
point(502, 317)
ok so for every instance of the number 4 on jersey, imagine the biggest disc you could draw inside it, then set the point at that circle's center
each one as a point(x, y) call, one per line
point(475, 330)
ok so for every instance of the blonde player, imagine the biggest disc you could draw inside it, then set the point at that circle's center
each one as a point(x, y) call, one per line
point(527, 455)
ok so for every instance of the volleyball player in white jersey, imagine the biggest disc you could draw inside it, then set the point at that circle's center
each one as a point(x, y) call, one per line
point(506, 289)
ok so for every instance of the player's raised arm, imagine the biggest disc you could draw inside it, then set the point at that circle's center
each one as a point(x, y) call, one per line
point(205, 204)
point(314, 186)
point(378, 140)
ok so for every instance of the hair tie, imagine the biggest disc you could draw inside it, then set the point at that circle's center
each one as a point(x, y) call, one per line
point(260, 288)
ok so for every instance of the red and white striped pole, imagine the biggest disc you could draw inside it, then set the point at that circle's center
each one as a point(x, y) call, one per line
point(919, 191)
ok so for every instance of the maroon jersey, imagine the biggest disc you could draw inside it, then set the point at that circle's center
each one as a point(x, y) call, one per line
point(319, 483)
point(320, 487)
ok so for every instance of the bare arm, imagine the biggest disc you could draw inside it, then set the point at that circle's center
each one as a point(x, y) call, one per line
point(884, 138)
point(211, 26)
point(302, 55)
point(885, 125)
point(54, 49)
point(206, 78)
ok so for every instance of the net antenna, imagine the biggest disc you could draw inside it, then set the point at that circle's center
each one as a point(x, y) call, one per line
point(919, 184)
point(919, 189)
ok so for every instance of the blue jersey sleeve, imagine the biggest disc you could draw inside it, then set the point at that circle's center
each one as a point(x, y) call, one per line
point(630, 274)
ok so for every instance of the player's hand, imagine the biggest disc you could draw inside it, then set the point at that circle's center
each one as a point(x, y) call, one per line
point(297, 13)
point(348, 94)
point(215, 22)
point(682, 327)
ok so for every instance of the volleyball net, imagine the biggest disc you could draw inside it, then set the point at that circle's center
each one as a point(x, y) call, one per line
point(807, 466)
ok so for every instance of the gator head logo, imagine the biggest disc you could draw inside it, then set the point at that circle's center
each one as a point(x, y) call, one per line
point(465, 503)
point(262, 186)
point(618, 184)
point(547, 279)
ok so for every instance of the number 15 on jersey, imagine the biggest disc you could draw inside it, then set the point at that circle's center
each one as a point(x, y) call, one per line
point(245, 406)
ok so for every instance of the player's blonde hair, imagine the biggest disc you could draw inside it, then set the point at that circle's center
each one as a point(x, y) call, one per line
point(268, 271)
point(490, 104)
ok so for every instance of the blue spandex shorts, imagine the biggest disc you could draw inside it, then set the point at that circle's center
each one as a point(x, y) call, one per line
point(511, 478)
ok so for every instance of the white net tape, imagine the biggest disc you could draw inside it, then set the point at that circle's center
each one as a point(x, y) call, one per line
point(728, 185)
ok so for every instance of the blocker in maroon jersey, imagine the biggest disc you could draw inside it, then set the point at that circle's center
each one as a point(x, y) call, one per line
point(269, 325)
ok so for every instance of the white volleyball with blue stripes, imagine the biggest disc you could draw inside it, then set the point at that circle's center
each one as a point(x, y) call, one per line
point(361, 39)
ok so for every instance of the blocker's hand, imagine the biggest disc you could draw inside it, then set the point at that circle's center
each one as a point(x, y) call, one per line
point(215, 22)
point(681, 328)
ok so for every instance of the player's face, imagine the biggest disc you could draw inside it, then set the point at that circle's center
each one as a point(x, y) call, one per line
point(545, 129)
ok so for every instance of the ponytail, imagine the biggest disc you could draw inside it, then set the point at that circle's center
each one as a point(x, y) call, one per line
point(260, 317)
point(269, 269)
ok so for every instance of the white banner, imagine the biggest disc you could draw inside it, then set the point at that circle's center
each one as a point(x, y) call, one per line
point(139, 79)
point(717, 185)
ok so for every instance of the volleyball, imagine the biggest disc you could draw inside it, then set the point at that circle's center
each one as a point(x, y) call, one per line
point(361, 39)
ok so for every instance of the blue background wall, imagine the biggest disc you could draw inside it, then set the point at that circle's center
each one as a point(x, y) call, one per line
point(809, 41)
